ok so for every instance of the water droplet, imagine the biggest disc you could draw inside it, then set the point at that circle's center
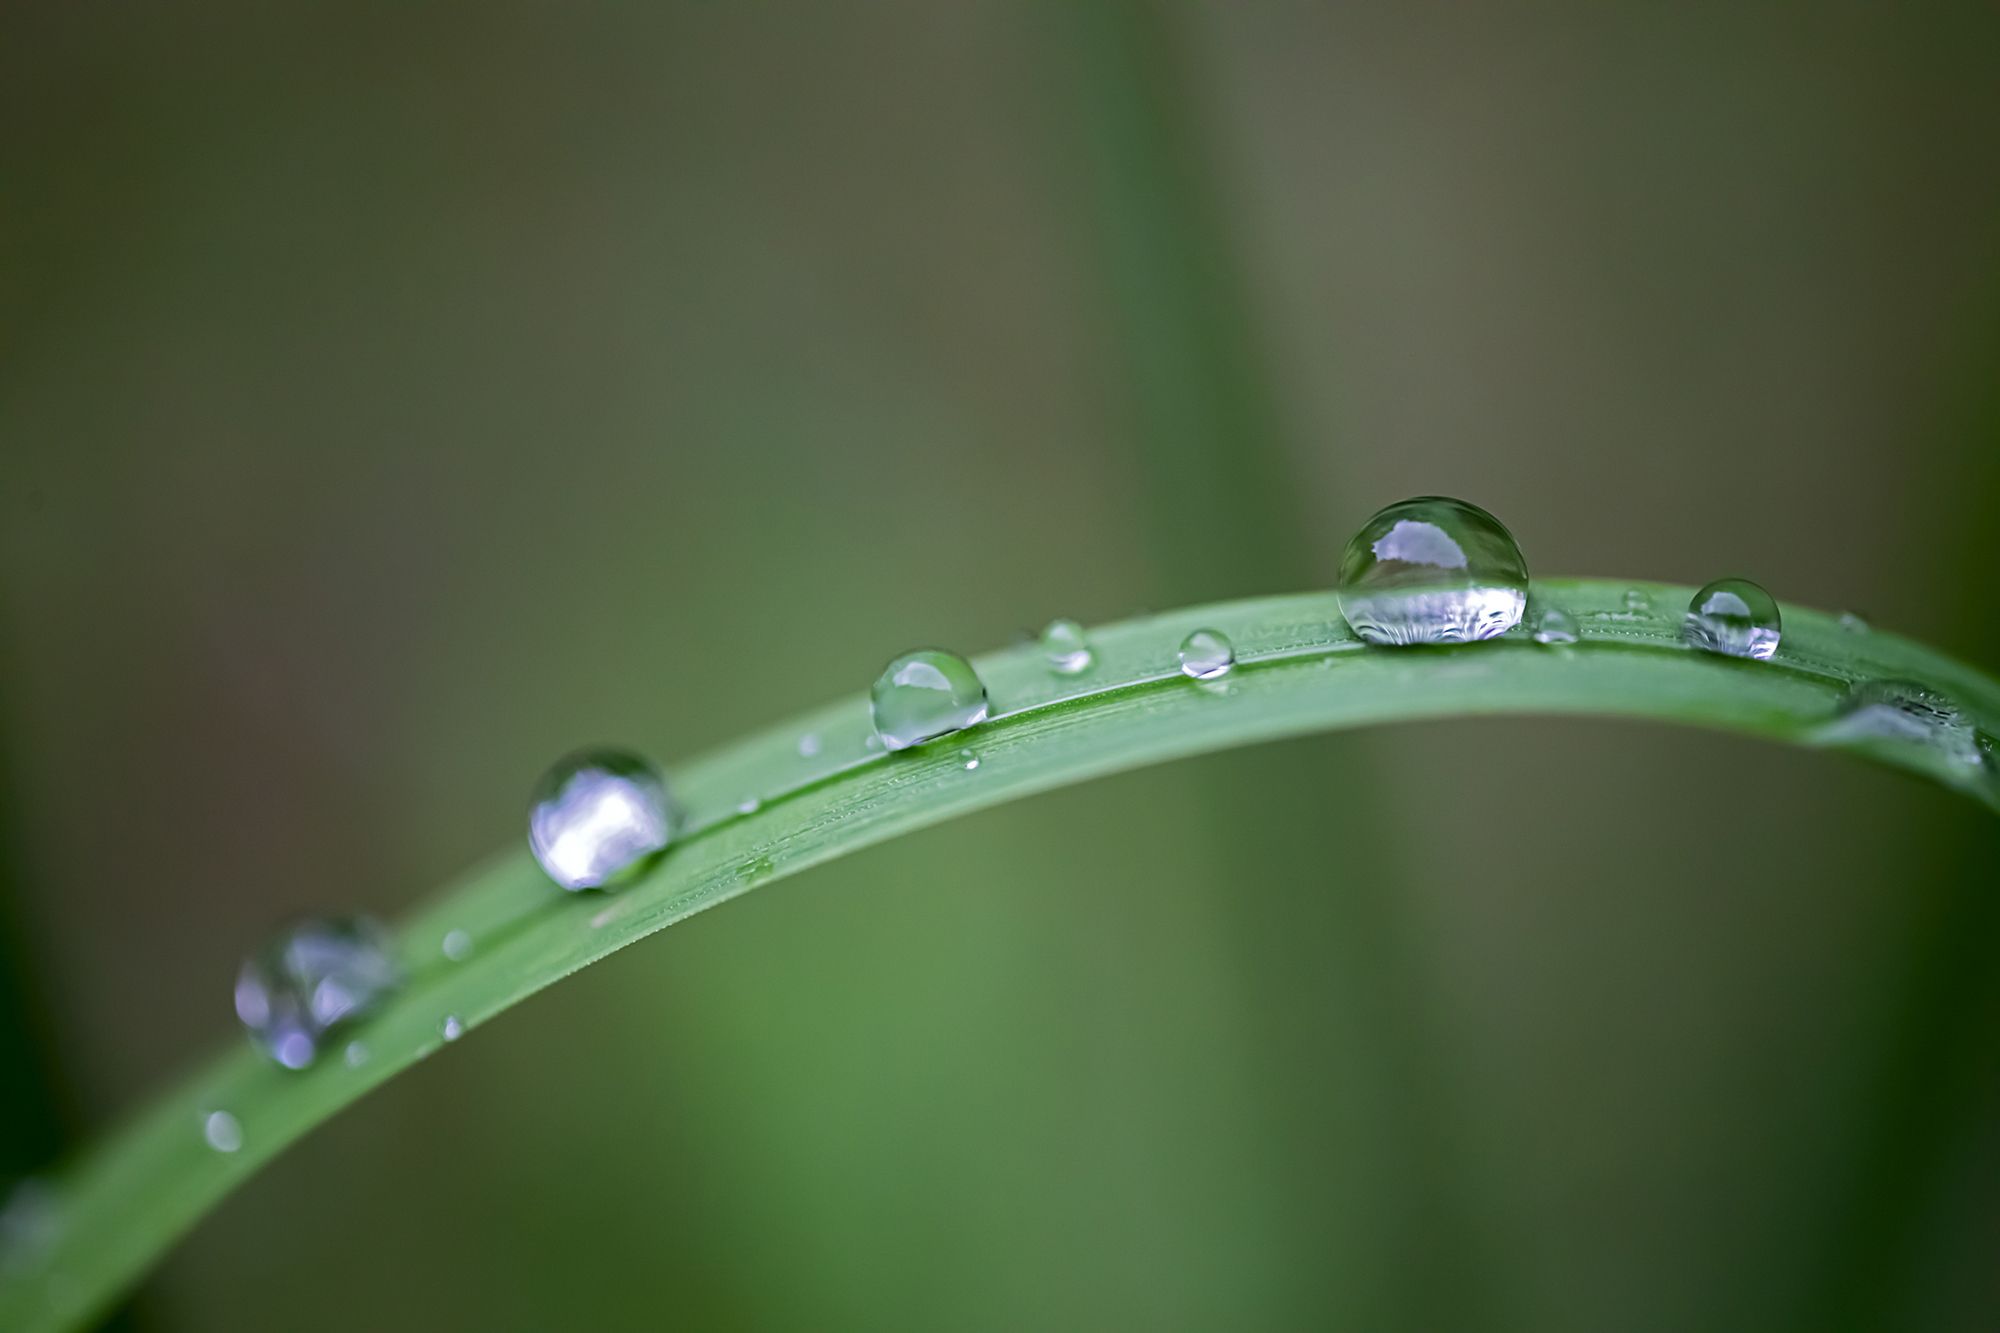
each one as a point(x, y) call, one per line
point(1207, 654)
point(223, 1131)
point(1066, 647)
point(1553, 625)
point(1432, 570)
point(310, 978)
point(969, 759)
point(809, 745)
point(1734, 617)
point(357, 1055)
point(1638, 601)
point(457, 945)
point(926, 694)
point(1852, 623)
point(598, 818)
point(452, 1028)
point(749, 805)
point(1901, 713)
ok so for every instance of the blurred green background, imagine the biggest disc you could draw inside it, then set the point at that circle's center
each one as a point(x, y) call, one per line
point(393, 397)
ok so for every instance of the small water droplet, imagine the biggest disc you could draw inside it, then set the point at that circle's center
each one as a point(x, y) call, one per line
point(1432, 570)
point(871, 742)
point(1734, 617)
point(926, 694)
point(749, 805)
point(598, 818)
point(1066, 647)
point(968, 759)
point(357, 1055)
point(222, 1131)
point(809, 745)
point(1207, 654)
point(311, 977)
point(452, 1028)
point(1902, 713)
point(1638, 601)
point(1852, 623)
point(1555, 626)
point(457, 945)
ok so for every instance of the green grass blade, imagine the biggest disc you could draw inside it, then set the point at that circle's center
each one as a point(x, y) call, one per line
point(121, 1206)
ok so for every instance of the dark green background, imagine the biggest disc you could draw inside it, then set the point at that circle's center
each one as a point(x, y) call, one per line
point(392, 397)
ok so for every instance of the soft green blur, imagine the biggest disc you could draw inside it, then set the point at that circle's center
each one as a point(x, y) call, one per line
point(393, 398)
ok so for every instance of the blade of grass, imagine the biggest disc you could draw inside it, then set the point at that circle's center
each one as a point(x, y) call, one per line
point(121, 1205)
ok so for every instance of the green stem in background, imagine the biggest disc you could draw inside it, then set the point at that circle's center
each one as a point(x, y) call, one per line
point(117, 1209)
point(1933, 1084)
point(1177, 307)
point(1156, 219)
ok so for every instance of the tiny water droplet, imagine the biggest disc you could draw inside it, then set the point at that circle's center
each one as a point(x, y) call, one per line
point(357, 1055)
point(1903, 713)
point(311, 977)
point(457, 945)
point(1207, 654)
point(926, 694)
point(598, 818)
point(809, 745)
point(1638, 601)
point(1066, 647)
point(1734, 617)
point(1432, 570)
point(871, 742)
point(1852, 623)
point(969, 759)
point(222, 1131)
point(452, 1028)
point(749, 805)
point(1555, 626)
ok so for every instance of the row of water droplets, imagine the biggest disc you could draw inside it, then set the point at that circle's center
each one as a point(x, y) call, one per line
point(1427, 571)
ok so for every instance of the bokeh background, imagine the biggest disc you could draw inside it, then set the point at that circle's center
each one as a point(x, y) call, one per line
point(392, 397)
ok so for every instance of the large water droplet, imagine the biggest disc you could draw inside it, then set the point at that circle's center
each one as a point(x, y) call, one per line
point(599, 817)
point(1902, 713)
point(1432, 570)
point(926, 694)
point(1553, 625)
point(1065, 646)
point(1734, 617)
point(310, 978)
point(1207, 654)
point(222, 1131)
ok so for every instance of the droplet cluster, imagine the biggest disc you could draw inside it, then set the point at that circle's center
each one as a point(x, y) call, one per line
point(1425, 572)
